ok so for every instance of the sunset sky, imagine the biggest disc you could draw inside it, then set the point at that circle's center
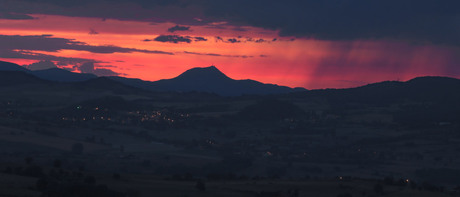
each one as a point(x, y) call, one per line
point(311, 44)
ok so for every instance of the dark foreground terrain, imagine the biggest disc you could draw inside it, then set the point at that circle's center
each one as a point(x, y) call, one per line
point(100, 137)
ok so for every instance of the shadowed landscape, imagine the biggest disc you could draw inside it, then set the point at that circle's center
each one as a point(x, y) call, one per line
point(204, 134)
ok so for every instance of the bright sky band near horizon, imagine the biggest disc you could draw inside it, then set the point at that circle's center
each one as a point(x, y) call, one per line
point(165, 48)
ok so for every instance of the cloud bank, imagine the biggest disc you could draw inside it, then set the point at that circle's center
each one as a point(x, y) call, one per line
point(419, 21)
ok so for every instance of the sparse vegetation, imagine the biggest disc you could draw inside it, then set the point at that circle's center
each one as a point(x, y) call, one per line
point(319, 143)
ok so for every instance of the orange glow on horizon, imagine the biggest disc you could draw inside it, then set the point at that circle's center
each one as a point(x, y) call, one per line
point(296, 63)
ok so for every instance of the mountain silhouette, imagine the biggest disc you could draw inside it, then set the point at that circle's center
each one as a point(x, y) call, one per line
point(15, 78)
point(62, 75)
point(427, 88)
point(206, 79)
point(419, 89)
point(107, 84)
point(8, 66)
point(211, 80)
point(203, 74)
point(52, 74)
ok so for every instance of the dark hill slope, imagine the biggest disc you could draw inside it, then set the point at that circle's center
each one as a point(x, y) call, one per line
point(211, 80)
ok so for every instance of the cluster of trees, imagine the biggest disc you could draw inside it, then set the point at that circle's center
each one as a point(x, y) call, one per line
point(78, 188)
point(57, 182)
point(288, 193)
point(271, 110)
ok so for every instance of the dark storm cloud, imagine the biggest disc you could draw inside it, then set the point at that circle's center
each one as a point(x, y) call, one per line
point(411, 20)
point(176, 39)
point(51, 44)
point(421, 20)
point(14, 16)
point(178, 28)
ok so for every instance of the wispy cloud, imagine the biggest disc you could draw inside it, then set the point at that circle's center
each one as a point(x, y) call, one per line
point(93, 31)
point(218, 55)
point(178, 28)
point(51, 44)
point(176, 39)
point(421, 21)
point(15, 16)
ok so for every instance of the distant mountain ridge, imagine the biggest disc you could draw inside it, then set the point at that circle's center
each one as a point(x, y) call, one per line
point(51, 74)
point(212, 80)
point(12, 78)
point(8, 66)
point(205, 79)
point(57, 74)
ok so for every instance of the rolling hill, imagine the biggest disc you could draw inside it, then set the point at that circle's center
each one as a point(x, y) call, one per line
point(52, 74)
point(211, 80)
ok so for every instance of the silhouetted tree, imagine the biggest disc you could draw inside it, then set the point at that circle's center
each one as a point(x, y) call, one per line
point(378, 188)
point(116, 176)
point(90, 180)
point(295, 193)
point(188, 176)
point(146, 163)
point(345, 195)
point(41, 184)
point(430, 187)
point(413, 184)
point(34, 171)
point(77, 148)
point(271, 110)
point(388, 180)
point(401, 182)
point(200, 185)
point(57, 163)
point(8, 170)
point(269, 194)
point(28, 160)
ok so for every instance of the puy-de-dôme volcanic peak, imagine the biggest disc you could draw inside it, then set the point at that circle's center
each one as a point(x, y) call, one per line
point(207, 79)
